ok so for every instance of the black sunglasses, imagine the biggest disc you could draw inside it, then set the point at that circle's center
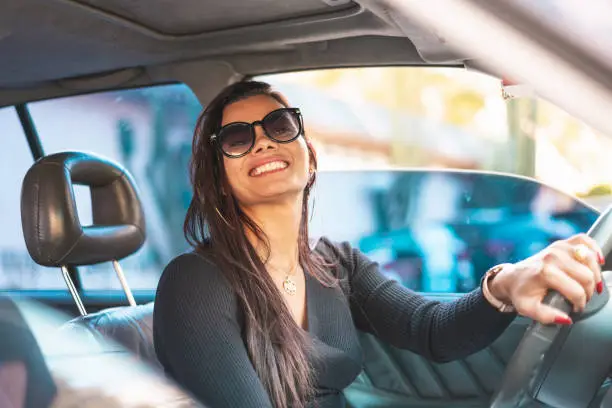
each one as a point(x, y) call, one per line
point(237, 139)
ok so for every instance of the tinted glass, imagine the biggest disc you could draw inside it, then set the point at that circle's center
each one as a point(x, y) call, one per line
point(236, 139)
point(282, 125)
point(439, 231)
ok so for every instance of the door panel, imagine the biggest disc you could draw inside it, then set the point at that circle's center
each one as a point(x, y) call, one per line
point(398, 378)
point(394, 377)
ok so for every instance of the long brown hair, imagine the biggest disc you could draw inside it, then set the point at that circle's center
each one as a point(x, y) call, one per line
point(216, 225)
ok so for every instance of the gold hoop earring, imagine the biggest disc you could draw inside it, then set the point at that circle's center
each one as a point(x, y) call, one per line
point(223, 218)
point(311, 174)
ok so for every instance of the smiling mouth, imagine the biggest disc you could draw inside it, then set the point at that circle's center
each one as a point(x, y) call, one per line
point(271, 167)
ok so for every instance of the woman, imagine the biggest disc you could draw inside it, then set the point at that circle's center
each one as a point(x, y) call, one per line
point(259, 316)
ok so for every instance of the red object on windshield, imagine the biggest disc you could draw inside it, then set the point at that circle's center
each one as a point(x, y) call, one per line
point(512, 89)
point(507, 82)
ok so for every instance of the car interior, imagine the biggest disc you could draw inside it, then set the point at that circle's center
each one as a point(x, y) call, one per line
point(55, 236)
point(60, 48)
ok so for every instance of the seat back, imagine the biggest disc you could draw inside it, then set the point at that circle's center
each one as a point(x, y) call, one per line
point(73, 369)
point(130, 326)
point(55, 236)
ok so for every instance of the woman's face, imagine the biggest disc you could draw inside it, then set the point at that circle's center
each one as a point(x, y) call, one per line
point(271, 171)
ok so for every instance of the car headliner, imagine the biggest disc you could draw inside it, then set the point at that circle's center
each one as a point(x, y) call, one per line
point(60, 47)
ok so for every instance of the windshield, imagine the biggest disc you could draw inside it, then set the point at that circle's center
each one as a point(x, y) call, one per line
point(406, 117)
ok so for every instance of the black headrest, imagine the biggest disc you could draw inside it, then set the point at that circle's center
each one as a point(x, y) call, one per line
point(53, 232)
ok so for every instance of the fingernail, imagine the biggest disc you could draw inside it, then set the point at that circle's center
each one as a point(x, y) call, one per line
point(563, 320)
point(600, 258)
point(599, 287)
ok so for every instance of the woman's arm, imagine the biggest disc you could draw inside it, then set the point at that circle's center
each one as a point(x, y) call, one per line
point(197, 336)
point(438, 331)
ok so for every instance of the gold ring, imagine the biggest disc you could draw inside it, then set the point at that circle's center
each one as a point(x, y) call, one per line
point(581, 252)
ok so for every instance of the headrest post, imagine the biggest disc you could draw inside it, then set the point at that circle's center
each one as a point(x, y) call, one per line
point(124, 284)
point(73, 291)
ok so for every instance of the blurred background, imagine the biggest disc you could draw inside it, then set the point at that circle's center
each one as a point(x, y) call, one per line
point(435, 232)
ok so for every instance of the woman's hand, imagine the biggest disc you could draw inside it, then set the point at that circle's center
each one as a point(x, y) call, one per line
point(571, 267)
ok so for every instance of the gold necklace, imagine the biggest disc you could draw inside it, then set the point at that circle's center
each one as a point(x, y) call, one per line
point(289, 284)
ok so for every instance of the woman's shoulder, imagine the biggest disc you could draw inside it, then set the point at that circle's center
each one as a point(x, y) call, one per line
point(192, 295)
point(326, 246)
point(192, 259)
point(341, 251)
point(192, 271)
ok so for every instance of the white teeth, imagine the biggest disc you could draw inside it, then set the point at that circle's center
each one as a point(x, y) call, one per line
point(275, 165)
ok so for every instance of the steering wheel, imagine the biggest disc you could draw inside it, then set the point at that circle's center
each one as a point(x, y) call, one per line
point(564, 366)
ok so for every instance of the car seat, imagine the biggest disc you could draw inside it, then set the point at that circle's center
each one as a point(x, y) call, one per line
point(55, 237)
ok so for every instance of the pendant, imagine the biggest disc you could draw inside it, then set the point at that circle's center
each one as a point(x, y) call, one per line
point(289, 286)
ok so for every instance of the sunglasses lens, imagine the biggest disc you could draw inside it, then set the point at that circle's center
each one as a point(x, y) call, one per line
point(282, 125)
point(236, 140)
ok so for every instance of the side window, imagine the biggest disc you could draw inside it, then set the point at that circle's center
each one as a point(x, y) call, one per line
point(17, 270)
point(148, 131)
point(440, 231)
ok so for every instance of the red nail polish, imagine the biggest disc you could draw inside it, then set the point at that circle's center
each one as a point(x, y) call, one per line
point(599, 287)
point(563, 320)
point(600, 258)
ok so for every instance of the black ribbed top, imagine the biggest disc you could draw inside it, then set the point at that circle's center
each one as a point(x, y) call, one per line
point(198, 327)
